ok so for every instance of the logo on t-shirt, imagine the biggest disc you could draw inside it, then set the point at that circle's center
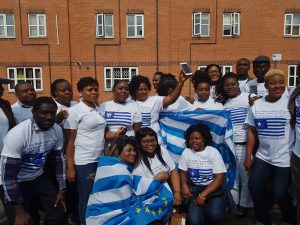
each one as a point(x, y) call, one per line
point(271, 127)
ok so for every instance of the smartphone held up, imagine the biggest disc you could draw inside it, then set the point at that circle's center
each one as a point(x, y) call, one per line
point(186, 69)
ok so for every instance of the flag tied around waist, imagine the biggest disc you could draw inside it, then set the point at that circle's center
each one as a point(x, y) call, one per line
point(174, 124)
point(118, 197)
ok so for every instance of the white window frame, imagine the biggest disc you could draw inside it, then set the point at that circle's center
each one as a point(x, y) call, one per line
point(101, 28)
point(224, 67)
point(22, 77)
point(37, 25)
point(293, 76)
point(235, 20)
point(110, 77)
point(291, 25)
point(202, 67)
point(136, 35)
point(6, 26)
point(200, 24)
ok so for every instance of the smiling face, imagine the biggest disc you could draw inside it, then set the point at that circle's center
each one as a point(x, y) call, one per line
point(155, 81)
point(148, 144)
point(45, 116)
point(142, 92)
point(64, 93)
point(128, 154)
point(203, 91)
point(231, 87)
point(214, 74)
point(25, 93)
point(121, 92)
point(196, 141)
point(275, 86)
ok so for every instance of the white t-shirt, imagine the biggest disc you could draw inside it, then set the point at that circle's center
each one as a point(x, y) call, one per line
point(297, 127)
point(272, 122)
point(21, 112)
point(27, 142)
point(180, 105)
point(63, 107)
point(201, 166)
point(121, 115)
point(254, 87)
point(150, 109)
point(90, 126)
point(4, 127)
point(156, 165)
point(238, 108)
point(209, 104)
point(242, 84)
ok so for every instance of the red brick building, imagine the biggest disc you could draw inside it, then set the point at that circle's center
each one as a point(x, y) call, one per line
point(41, 41)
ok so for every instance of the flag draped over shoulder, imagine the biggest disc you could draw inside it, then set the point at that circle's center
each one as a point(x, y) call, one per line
point(174, 124)
point(118, 197)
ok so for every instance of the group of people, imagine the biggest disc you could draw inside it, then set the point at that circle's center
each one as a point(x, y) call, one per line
point(51, 147)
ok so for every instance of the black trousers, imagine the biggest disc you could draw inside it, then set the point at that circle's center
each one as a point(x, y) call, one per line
point(41, 191)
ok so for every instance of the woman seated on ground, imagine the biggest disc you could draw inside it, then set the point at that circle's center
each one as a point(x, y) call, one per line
point(155, 162)
point(202, 174)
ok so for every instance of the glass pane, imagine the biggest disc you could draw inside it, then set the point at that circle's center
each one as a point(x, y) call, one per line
point(1, 20)
point(139, 31)
point(20, 73)
point(38, 84)
point(108, 73)
point(42, 31)
point(288, 29)
point(12, 86)
point(139, 20)
point(125, 73)
point(227, 18)
point(130, 31)
point(205, 18)
point(99, 17)
point(236, 18)
point(295, 30)
point(227, 30)
point(130, 20)
point(236, 29)
point(41, 20)
point(291, 81)
point(197, 18)
point(10, 19)
point(288, 19)
point(133, 72)
point(108, 31)
point(108, 84)
point(108, 20)
point(33, 31)
point(29, 73)
point(292, 71)
point(11, 74)
point(197, 29)
point(11, 31)
point(116, 73)
point(32, 20)
point(296, 19)
point(2, 31)
point(204, 30)
point(38, 73)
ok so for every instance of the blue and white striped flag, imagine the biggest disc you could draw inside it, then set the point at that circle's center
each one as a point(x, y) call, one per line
point(174, 124)
point(118, 197)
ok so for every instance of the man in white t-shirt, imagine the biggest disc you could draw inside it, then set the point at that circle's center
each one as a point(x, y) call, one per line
point(22, 108)
point(25, 150)
point(242, 70)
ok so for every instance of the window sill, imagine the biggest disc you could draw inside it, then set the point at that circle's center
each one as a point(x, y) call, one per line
point(291, 36)
point(38, 37)
point(135, 37)
point(102, 37)
point(8, 37)
point(231, 36)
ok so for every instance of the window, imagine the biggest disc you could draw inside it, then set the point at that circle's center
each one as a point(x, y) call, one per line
point(200, 24)
point(118, 73)
point(30, 74)
point(293, 71)
point(231, 24)
point(37, 25)
point(7, 26)
point(292, 24)
point(105, 25)
point(225, 69)
point(135, 26)
point(202, 68)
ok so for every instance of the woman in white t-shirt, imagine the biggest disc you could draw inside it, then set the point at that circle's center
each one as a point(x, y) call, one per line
point(203, 98)
point(237, 104)
point(84, 129)
point(202, 175)
point(155, 162)
point(150, 106)
point(122, 115)
point(269, 121)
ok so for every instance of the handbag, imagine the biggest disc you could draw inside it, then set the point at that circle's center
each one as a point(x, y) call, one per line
point(196, 190)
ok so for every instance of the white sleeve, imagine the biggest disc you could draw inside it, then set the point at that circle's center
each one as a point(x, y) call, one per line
point(139, 170)
point(217, 162)
point(166, 156)
point(249, 121)
point(13, 144)
point(72, 121)
point(183, 162)
point(159, 103)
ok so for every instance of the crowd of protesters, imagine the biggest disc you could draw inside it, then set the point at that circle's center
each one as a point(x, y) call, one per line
point(50, 146)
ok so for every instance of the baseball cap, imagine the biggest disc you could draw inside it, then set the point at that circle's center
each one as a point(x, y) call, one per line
point(262, 59)
point(5, 81)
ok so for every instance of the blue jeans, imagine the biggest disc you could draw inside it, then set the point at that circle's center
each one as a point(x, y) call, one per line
point(85, 179)
point(211, 213)
point(263, 175)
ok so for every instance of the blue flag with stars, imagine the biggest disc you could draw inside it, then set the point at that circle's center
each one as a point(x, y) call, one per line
point(174, 124)
point(118, 197)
